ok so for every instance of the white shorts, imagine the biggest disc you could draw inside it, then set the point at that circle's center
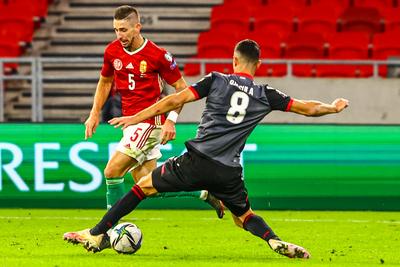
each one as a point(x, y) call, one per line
point(141, 142)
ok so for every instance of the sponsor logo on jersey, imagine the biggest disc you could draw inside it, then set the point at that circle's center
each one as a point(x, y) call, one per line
point(117, 64)
point(143, 68)
point(129, 66)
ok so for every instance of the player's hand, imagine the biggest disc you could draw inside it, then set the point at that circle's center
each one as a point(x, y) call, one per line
point(340, 104)
point(168, 132)
point(123, 122)
point(90, 125)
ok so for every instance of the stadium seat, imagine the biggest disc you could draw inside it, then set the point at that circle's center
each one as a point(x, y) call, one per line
point(391, 18)
point(339, 3)
point(230, 18)
point(347, 46)
point(305, 46)
point(34, 8)
point(319, 19)
point(9, 48)
point(272, 47)
point(361, 19)
point(240, 2)
point(274, 19)
point(385, 46)
point(16, 27)
point(293, 4)
point(378, 4)
point(214, 44)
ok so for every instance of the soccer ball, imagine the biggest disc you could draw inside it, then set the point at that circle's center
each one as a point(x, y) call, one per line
point(126, 238)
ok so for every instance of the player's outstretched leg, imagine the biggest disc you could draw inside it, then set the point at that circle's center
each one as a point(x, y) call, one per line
point(96, 239)
point(90, 242)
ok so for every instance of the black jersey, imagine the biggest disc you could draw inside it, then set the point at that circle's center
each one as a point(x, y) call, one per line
point(234, 107)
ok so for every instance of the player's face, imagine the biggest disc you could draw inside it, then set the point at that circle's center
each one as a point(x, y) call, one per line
point(126, 31)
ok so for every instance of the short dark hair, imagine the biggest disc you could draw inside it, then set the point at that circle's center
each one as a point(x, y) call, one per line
point(123, 12)
point(249, 49)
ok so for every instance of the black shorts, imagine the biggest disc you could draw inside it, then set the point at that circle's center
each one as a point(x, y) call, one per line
point(192, 172)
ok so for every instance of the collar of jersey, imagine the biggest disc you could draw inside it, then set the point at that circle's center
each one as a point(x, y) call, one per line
point(244, 74)
point(137, 50)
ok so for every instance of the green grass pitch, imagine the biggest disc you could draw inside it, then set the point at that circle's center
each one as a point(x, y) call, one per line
point(197, 238)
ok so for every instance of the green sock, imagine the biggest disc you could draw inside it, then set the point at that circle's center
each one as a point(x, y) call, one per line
point(193, 194)
point(115, 190)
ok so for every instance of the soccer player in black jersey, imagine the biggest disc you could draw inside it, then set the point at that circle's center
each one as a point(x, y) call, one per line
point(234, 106)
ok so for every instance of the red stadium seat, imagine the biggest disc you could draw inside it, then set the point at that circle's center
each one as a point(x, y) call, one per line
point(240, 2)
point(361, 19)
point(385, 46)
point(391, 17)
point(347, 45)
point(319, 19)
point(274, 19)
point(339, 3)
point(305, 46)
point(378, 4)
point(272, 47)
point(210, 42)
point(16, 27)
point(32, 8)
point(230, 18)
point(293, 4)
point(9, 48)
point(214, 44)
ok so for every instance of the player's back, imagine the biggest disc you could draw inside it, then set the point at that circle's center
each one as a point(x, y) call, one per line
point(234, 106)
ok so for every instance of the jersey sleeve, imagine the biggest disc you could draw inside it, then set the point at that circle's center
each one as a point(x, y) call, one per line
point(277, 99)
point(202, 87)
point(169, 70)
point(107, 69)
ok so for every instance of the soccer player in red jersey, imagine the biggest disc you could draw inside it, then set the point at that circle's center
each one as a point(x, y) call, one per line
point(136, 66)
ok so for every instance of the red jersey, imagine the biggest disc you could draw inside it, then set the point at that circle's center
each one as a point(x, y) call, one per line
point(137, 75)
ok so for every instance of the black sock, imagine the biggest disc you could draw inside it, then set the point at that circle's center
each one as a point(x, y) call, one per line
point(257, 226)
point(124, 206)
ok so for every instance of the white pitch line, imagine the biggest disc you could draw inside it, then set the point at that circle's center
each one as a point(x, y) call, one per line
point(203, 219)
point(69, 218)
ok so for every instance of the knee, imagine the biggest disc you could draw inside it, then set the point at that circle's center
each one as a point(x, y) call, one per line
point(112, 172)
point(237, 221)
point(146, 185)
point(243, 218)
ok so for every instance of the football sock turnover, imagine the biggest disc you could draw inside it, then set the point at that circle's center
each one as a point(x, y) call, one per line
point(115, 190)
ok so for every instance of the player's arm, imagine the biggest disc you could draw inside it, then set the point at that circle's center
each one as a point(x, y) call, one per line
point(168, 131)
point(179, 86)
point(283, 102)
point(166, 104)
point(315, 108)
point(102, 91)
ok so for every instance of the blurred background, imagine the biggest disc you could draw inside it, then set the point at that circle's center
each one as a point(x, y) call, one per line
point(50, 58)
